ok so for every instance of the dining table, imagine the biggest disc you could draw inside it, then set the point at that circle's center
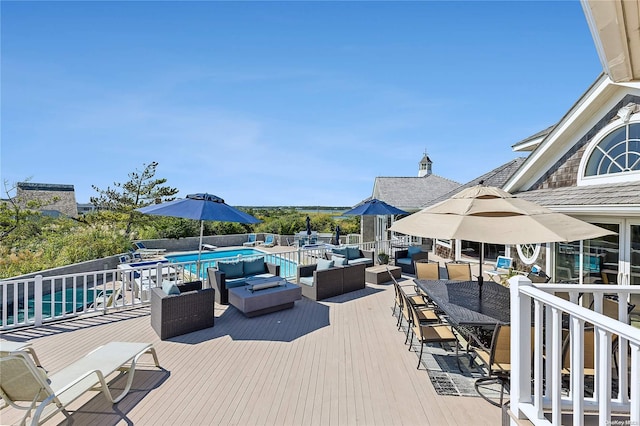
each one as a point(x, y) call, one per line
point(472, 308)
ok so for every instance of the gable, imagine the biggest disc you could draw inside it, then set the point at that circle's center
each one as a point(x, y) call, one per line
point(555, 162)
point(496, 177)
point(411, 193)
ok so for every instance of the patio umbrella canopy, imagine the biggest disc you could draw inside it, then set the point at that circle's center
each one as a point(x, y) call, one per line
point(490, 215)
point(373, 207)
point(200, 207)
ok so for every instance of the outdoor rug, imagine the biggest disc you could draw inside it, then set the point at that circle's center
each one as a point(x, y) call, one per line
point(439, 361)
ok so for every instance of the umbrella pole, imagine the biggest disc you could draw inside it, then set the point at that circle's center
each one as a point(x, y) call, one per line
point(481, 260)
point(200, 248)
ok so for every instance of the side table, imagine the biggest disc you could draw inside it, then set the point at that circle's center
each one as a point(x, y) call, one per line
point(378, 274)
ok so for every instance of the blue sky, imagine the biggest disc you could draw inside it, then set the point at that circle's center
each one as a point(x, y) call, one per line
point(281, 103)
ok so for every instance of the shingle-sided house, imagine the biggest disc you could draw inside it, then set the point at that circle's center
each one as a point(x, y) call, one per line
point(406, 193)
point(588, 166)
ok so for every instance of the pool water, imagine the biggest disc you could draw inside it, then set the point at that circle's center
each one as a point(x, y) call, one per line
point(208, 259)
point(82, 301)
point(218, 254)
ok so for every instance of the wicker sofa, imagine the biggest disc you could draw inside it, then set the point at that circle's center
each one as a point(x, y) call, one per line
point(177, 314)
point(354, 255)
point(320, 283)
point(228, 275)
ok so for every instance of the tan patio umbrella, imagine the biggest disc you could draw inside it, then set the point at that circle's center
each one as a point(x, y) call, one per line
point(488, 214)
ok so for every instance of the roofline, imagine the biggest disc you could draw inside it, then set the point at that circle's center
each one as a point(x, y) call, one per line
point(525, 176)
point(603, 209)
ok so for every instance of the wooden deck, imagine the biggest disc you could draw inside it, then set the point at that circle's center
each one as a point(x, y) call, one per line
point(337, 362)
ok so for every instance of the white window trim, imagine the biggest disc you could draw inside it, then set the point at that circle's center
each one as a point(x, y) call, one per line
point(583, 180)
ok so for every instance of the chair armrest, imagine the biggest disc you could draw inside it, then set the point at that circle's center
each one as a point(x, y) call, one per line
point(401, 253)
point(272, 268)
point(422, 255)
point(368, 253)
point(305, 271)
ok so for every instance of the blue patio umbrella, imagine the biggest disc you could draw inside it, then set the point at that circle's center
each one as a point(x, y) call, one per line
point(200, 207)
point(374, 207)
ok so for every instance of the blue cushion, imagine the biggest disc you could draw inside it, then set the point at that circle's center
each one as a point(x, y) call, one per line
point(414, 250)
point(231, 269)
point(360, 260)
point(234, 282)
point(339, 260)
point(324, 264)
point(170, 287)
point(253, 266)
point(404, 261)
point(342, 251)
point(353, 253)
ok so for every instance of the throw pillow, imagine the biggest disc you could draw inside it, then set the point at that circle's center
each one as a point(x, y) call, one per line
point(253, 266)
point(339, 260)
point(232, 269)
point(342, 251)
point(192, 286)
point(414, 250)
point(170, 287)
point(353, 253)
point(324, 264)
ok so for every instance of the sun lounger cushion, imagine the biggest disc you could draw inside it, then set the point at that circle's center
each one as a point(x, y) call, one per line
point(231, 269)
point(253, 266)
point(169, 287)
point(192, 286)
point(324, 264)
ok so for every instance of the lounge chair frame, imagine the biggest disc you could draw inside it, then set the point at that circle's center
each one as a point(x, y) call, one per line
point(23, 381)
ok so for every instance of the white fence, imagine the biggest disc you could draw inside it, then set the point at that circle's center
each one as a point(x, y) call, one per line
point(543, 387)
point(37, 300)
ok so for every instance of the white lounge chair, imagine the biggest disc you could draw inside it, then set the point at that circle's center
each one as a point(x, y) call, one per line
point(251, 241)
point(6, 348)
point(268, 241)
point(25, 386)
point(147, 252)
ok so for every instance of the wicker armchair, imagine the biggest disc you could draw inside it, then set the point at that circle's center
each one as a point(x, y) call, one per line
point(176, 314)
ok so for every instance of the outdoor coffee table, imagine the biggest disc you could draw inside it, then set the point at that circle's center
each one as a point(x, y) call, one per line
point(378, 274)
point(253, 300)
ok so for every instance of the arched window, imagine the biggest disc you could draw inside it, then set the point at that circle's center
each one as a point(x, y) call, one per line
point(613, 157)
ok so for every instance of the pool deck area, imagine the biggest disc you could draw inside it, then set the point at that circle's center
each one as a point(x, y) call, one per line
point(341, 361)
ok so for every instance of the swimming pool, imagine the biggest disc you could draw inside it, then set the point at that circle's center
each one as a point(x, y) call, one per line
point(288, 268)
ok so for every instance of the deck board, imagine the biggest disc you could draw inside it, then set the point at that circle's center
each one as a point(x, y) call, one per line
point(336, 362)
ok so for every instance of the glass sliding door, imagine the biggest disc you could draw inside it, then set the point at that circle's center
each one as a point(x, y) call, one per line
point(595, 261)
point(633, 261)
point(601, 257)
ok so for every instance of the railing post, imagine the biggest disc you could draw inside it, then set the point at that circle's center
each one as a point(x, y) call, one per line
point(37, 301)
point(520, 345)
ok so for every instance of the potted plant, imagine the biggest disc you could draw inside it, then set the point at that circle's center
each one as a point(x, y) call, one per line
point(383, 258)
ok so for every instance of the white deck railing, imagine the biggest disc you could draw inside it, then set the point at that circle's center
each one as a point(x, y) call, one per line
point(538, 391)
point(34, 301)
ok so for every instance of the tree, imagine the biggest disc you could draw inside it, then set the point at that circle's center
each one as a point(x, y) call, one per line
point(141, 190)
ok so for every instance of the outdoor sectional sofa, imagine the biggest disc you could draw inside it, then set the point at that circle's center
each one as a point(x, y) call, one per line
point(354, 255)
point(324, 279)
point(230, 274)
